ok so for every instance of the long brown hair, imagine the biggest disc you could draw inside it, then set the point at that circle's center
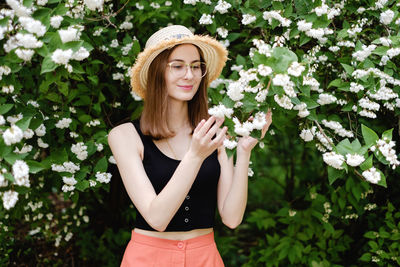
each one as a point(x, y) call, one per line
point(153, 120)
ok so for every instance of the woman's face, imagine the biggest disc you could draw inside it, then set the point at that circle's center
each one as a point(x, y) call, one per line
point(181, 80)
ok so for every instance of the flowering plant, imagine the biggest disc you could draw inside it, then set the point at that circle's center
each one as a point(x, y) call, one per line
point(328, 67)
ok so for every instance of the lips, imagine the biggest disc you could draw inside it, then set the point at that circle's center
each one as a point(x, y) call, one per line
point(186, 87)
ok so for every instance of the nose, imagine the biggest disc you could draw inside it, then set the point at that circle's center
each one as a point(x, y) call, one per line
point(189, 73)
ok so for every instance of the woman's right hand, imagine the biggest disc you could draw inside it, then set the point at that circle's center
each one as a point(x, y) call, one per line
point(203, 143)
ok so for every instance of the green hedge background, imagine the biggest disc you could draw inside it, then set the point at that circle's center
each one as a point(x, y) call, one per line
point(296, 215)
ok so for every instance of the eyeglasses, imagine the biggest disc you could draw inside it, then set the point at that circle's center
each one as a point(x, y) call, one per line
point(179, 69)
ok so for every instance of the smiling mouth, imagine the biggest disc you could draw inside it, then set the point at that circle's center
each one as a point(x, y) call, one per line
point(186, 87)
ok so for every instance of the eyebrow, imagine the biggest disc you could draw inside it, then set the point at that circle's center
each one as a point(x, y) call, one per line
point(180, 60)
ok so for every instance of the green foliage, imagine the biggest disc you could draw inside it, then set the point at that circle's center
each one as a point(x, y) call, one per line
point(300, 211)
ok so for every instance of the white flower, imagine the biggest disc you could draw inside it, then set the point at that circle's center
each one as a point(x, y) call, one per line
point(308, 134)
point(372, 175)
point(230, 144)
point(296, 69)
point(69, 184)
point(155, 5)
point(80, 150)
point(8, 89)
point(304, 25)
point(355, 87)
point(32, 25)
point(114, 43)
point(126, 25)
point(10, 198)
point(3, 181)
point(19, 8)
point(269, 15)
point(283, 101)
point(385, 41)
point(111, 159)
point(41, 2)
point(92, 183)
point(354, 159)
point(41, 130)
point(302, 108)
point(190, 2)
point(386, 17)
point(368, 104)
point(247, 19)
point(334, 160)
point(81, 54)
point(103, 177)
point(61, 56)
point(222, 7)
point(235, 90)
point(222, 32)
point(28, 40)
point(12, 135)
point(55, 21)
point(264, 70)
point(70, 34)
point(259, 120)
point(24, 54)
point(334, 48)
point(206, 19)
point(220, 111)
point(362, 54)
point(325, 99)
point(2, 120)
point(63, 123)
point(242, 129)
point(94, 4)
point(68, 166)
point(20, 169)
point(41, 143)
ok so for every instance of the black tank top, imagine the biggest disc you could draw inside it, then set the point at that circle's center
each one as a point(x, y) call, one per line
point(198, 209)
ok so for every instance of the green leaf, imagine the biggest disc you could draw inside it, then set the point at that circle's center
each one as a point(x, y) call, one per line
point(382, 181)
point(283, 58)
point(370, 137)
point(82, 185)
point(48, 65)
point(366, 257)
point(9, 177)
point(388, 134)
point(344, 147)
point(335, 83)
point(367, 163)
point(349, 69)
point(5, 108)
point(334, 174)
point(101, 165)
point(34, 166)
point(23, 123)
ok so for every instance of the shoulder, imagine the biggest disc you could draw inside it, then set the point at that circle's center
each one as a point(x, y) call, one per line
point(125, 135)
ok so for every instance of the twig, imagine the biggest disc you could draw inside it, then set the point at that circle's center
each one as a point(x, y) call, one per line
point(323, 133)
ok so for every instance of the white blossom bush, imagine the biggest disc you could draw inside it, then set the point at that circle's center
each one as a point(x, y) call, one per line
point(328, 67)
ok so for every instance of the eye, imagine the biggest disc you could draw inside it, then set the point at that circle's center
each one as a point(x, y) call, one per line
point(177, 66)
point(196, 66)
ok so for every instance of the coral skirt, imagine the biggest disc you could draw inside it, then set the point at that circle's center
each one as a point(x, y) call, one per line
point(148, 251)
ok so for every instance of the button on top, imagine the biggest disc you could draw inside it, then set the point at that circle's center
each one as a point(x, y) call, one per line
point(186, 208)
point(180, 245)
point(186, 220)
point(187, 197)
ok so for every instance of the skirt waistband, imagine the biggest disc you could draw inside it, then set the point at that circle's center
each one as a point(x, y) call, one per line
point(191, 243)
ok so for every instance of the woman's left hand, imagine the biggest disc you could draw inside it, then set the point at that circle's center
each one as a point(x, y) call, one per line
point(247, 143)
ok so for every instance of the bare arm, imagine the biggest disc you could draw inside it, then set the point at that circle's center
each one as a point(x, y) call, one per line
point(233, 184)
point(158, 210)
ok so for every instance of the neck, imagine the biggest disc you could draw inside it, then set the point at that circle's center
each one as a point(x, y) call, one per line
point(178, 117)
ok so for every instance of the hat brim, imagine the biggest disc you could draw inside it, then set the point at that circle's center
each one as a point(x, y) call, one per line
point(215, 56)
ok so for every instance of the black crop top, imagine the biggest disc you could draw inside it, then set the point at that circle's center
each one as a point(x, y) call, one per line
point(198, 209)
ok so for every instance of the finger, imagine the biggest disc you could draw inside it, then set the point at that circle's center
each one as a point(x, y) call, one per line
point(201, 123)
point(219, 139)
point(213, 130)
point(203, 130)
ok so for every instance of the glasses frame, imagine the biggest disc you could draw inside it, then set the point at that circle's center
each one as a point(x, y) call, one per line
point(188, 65)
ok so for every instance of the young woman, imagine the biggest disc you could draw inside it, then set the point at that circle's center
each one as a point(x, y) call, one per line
point(172, 161)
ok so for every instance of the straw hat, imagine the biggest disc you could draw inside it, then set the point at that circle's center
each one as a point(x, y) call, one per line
point(215, 54)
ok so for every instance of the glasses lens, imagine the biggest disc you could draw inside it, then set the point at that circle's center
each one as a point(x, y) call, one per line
point(179, 69)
